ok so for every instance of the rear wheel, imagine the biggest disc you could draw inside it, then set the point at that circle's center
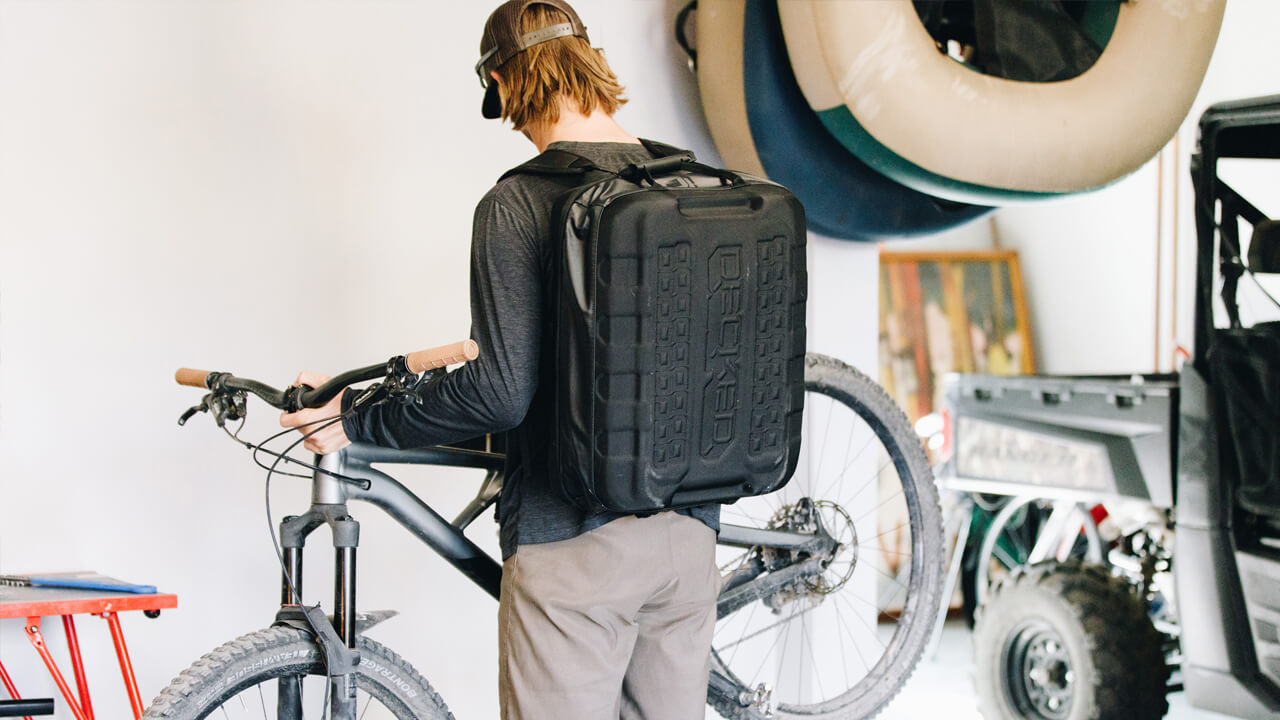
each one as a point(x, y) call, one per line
point(242, 679)
point(841, 643)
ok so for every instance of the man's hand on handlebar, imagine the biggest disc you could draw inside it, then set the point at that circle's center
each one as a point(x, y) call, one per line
point(227, 392)
point(329, 438)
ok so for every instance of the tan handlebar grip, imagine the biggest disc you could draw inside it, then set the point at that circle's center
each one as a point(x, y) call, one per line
point(191, 378)
point(458, 352)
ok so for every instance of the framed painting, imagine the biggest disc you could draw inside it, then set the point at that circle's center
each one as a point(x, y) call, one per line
point(944, 312)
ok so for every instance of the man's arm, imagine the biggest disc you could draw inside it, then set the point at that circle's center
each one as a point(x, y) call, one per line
point(492, 392)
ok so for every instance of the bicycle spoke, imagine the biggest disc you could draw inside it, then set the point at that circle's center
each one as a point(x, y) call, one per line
point(877, 507)
point(857, 646)
point(811, 448)
point(782, 656)
point(864, 623)
point(741, 562)
point(845, 462)
point(859, 643)
point(875, 606)
point(849, 465)
point(804, 627)
point(764, 662)
point(799, 665)
point(736, 509)
point(892, 579)
point(886, 532)
point(764, 629)
point(830, 408)
point(844, 660)
point(750, 617)
point(895, 553)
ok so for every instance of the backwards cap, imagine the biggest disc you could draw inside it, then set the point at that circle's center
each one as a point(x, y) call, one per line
point(503, 40)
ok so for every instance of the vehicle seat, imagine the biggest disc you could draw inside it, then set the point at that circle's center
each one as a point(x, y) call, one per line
point(1264, 247)
point(1245, 367)
point(1245, 363)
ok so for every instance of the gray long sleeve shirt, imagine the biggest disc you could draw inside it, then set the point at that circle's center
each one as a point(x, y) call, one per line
point(499, 390)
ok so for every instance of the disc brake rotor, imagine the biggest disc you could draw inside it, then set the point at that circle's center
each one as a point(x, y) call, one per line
point(810, 517)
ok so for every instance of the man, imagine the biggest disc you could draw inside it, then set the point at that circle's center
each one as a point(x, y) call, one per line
point(601, 615)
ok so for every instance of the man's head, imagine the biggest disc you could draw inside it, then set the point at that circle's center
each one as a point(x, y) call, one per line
point(540, 50)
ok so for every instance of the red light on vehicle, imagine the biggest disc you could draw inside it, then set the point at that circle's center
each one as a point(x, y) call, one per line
point(944, 452)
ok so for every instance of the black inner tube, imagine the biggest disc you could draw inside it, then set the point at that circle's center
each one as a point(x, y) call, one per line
point(1024, 40)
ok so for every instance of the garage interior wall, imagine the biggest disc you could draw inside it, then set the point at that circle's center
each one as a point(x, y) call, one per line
point(266, 187)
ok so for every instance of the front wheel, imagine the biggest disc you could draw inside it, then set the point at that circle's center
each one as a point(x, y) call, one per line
point(244, 677)
point(841, 642)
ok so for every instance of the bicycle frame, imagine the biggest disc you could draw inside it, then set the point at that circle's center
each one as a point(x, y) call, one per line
point(348, 475)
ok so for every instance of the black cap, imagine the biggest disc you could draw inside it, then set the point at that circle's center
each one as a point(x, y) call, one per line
point(502, 40)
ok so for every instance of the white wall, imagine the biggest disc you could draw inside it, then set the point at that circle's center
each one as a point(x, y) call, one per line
point(262, 187)
point(255, 187)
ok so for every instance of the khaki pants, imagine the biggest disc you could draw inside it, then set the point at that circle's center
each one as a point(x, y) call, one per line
point(612, 624)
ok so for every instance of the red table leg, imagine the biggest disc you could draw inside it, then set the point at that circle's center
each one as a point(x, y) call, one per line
point(77, 665)
point(37, 642)
point(126, 667)
point(8, 685)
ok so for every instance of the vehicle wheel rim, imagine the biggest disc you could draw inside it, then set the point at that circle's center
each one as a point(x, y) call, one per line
point(1038, 672)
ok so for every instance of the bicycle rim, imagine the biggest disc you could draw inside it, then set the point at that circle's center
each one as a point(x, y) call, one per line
point(841, 644)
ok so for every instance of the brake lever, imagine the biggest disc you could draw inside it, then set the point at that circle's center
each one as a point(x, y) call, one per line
point(191, 411)
point(405, 386)
point(224, 406)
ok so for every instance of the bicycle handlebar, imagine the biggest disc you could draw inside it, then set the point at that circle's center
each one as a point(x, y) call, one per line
point(295, 398)
point(458, 352)
point(191, 378)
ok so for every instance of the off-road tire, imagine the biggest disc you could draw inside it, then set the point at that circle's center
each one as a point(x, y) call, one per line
point(1108, 644)
point(269, 654)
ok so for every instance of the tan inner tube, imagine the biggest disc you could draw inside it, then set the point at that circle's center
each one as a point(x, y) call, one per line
point(724, 100)
point(805, 50)
point(1042, 137)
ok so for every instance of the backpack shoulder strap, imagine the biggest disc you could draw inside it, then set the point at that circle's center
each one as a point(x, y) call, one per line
point(553, 162)
point(564, 163)
point(661, 150)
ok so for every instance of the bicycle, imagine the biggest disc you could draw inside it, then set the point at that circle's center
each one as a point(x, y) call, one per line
point(809, 583)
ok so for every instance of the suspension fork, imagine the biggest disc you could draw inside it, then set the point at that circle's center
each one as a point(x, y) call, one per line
point(338, 640)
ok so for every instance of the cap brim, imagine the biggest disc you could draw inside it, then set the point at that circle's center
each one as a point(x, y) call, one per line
point(492, 106)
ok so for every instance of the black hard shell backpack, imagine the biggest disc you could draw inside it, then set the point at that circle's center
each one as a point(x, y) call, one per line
point(677, 298)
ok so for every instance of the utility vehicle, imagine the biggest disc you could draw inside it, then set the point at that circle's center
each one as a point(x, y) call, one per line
point(1190, 599)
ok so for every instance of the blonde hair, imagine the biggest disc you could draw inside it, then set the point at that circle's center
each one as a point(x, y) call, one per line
point(566, 66)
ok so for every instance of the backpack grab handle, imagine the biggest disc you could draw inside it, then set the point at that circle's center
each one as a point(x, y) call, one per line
point(662, 165)
point(640, 172)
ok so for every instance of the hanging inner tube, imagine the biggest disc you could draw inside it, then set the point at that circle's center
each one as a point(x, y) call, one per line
point(762, 125)
point(876, 78)
point(1018, 40)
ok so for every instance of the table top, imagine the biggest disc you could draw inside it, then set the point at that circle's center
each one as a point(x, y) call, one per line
point(25, 601)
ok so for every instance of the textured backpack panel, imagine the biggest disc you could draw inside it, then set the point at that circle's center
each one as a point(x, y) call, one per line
point(679, 340)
